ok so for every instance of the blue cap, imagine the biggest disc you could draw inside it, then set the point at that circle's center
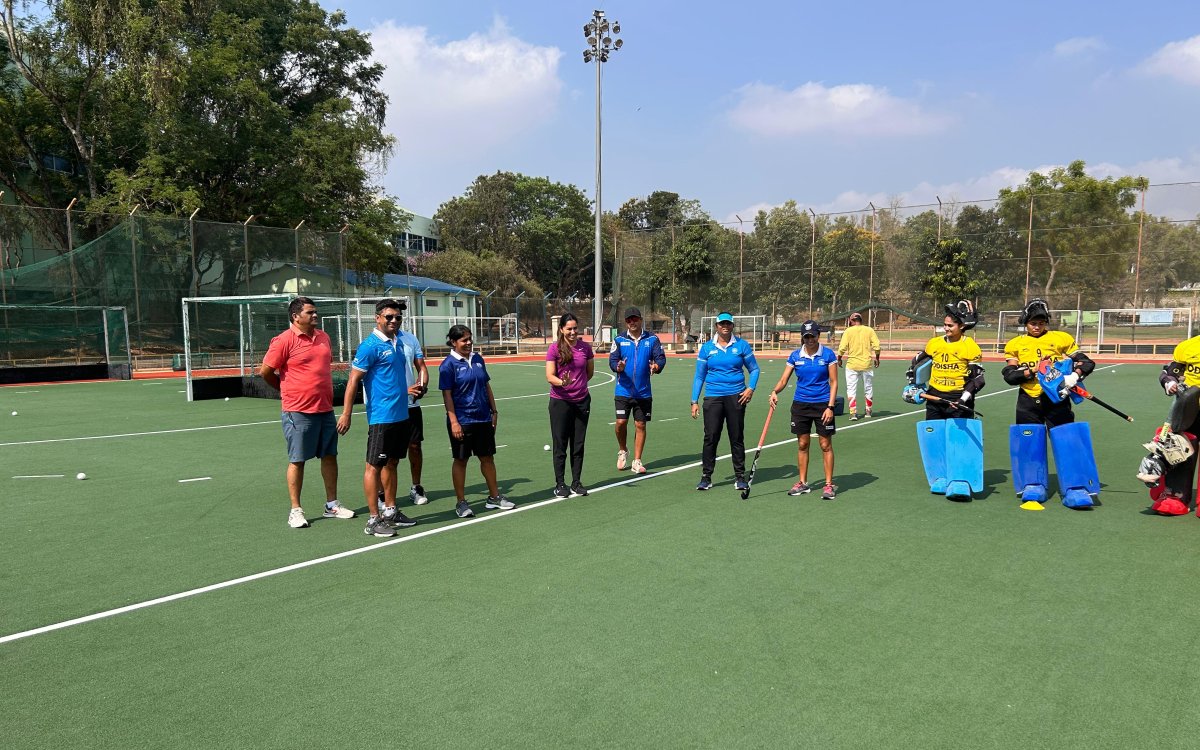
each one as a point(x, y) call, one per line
point(724, 318)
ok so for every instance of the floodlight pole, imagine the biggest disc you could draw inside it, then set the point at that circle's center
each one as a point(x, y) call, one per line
point(812, 262)
point(192, 243)
point(871, 272)
point(1137, 267)
point(1029, 247)
point(297, 236)
point(741, 263)
point(599, 35)
point(246, 247)
point(939, 235)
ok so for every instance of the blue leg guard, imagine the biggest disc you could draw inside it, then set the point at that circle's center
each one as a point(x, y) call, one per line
point(1030, 467)
point(1075, 464)
point(964, 457)
point(931, 438)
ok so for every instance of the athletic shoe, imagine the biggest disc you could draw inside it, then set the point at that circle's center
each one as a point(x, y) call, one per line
point(853, 417)
point(741, 485)
point(499, 502)
point(337, 511)
point(830, 492)
point(800, 488)
point(296, 519)
point(622, 458)
point(637, 467)
point(462, 510)
point(388, 514)
point(417, 493)
point(402, 521)
point(561, 492)
point(377, 526)
point(867, 415)
point(705, 484)
point(578, 490)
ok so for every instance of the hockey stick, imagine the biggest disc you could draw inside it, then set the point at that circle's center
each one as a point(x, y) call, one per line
point(953, 404)
point(1081, 391)
point(757, 452)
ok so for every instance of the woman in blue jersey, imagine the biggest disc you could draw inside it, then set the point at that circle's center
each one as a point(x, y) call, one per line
point(723, 363)
point(471, 417)
point(816, 393)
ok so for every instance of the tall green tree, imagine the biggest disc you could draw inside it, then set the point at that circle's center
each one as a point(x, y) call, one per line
point(545, 229)
point(678, 266)
point(949, 274)
point(779, 256)
point(236, 107)
point(1083, 233)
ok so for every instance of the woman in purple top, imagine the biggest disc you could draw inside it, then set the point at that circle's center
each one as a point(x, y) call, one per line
point(569, 367)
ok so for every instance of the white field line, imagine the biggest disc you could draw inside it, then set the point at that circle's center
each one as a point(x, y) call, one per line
point(432, 405)
point(197, 479)
point(39, 476)
point(404, 539)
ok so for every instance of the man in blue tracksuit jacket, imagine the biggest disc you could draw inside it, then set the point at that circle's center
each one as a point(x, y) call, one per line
point(721, 368)
point(636, 355)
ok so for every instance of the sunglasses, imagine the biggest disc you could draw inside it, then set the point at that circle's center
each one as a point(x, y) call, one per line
point(390, 317)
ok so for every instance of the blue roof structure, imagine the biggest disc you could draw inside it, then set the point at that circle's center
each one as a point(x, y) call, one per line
point(394, 281)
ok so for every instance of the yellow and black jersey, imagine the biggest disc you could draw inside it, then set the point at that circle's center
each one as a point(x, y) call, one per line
point(950, 361)
point(1187, 353)
point(1029, 351)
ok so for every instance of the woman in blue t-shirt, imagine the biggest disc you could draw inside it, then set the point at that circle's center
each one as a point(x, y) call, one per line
point(471, 417)
point(816, 393)
point(721, 369)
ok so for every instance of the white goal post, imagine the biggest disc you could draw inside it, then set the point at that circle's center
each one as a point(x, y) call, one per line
point(224, 336)
point(752, 328)
point(1174, 322)
point(1007, 325)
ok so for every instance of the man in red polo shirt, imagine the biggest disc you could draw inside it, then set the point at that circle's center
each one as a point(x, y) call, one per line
point(298, 363)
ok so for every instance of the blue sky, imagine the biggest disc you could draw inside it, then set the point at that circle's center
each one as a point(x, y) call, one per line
point(747, 105)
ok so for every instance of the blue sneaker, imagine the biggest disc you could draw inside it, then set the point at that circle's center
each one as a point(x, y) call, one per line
point(741, 485)
point(705, 484)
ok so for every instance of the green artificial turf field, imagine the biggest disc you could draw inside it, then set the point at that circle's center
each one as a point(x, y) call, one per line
point(645, 615)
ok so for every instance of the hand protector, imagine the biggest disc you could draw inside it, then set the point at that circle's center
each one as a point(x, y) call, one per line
point(913, 394)
point(1173, 447)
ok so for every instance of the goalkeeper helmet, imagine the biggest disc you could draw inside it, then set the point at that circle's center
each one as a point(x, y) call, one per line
point(963, 313)
point(1034, 308)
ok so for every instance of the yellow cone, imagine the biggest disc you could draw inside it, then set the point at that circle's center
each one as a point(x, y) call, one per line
point(1032, 505)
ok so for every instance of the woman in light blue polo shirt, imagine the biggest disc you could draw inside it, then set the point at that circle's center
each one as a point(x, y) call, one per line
point(721, 368)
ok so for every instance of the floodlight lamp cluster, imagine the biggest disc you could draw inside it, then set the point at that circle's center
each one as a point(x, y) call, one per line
point(600, 38)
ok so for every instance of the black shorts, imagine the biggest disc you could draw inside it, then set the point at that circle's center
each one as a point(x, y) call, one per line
point(1042, 410)
point(387, 441)
point(416, 433)
point(806, 414)
point(638, 408)
point(479, 439)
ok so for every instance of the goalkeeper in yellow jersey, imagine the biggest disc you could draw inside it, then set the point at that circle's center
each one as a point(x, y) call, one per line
point(1171, 466)
point(947, 376)
point(1045, 364)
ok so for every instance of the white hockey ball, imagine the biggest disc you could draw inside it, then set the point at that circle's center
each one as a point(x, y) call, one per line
point(545, 447)
point(81, 475)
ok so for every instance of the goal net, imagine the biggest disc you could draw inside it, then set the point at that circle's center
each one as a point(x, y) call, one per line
point(752, 328)
point(226, 338)
point(1146, 325)
point(63, 342)
point(1072, 321)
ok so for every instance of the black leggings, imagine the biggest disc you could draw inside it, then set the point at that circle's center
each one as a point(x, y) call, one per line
point(568, 426)
point(720, 411)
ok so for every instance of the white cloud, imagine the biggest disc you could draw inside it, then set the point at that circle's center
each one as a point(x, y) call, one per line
point(1079, 46)
point(1177, 60)
point(1176, 201)
point(463, 95)
point(857, 109)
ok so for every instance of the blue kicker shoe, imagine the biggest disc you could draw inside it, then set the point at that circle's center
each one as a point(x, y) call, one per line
point(705, 484)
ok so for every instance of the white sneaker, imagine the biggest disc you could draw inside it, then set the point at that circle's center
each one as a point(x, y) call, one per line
point(296, 518)
point(417, 493)
point(637, 467)
point(622, 458)
point(337, 511)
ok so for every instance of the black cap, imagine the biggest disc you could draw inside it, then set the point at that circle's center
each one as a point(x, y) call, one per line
point(809, 328)
point(632, 312)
